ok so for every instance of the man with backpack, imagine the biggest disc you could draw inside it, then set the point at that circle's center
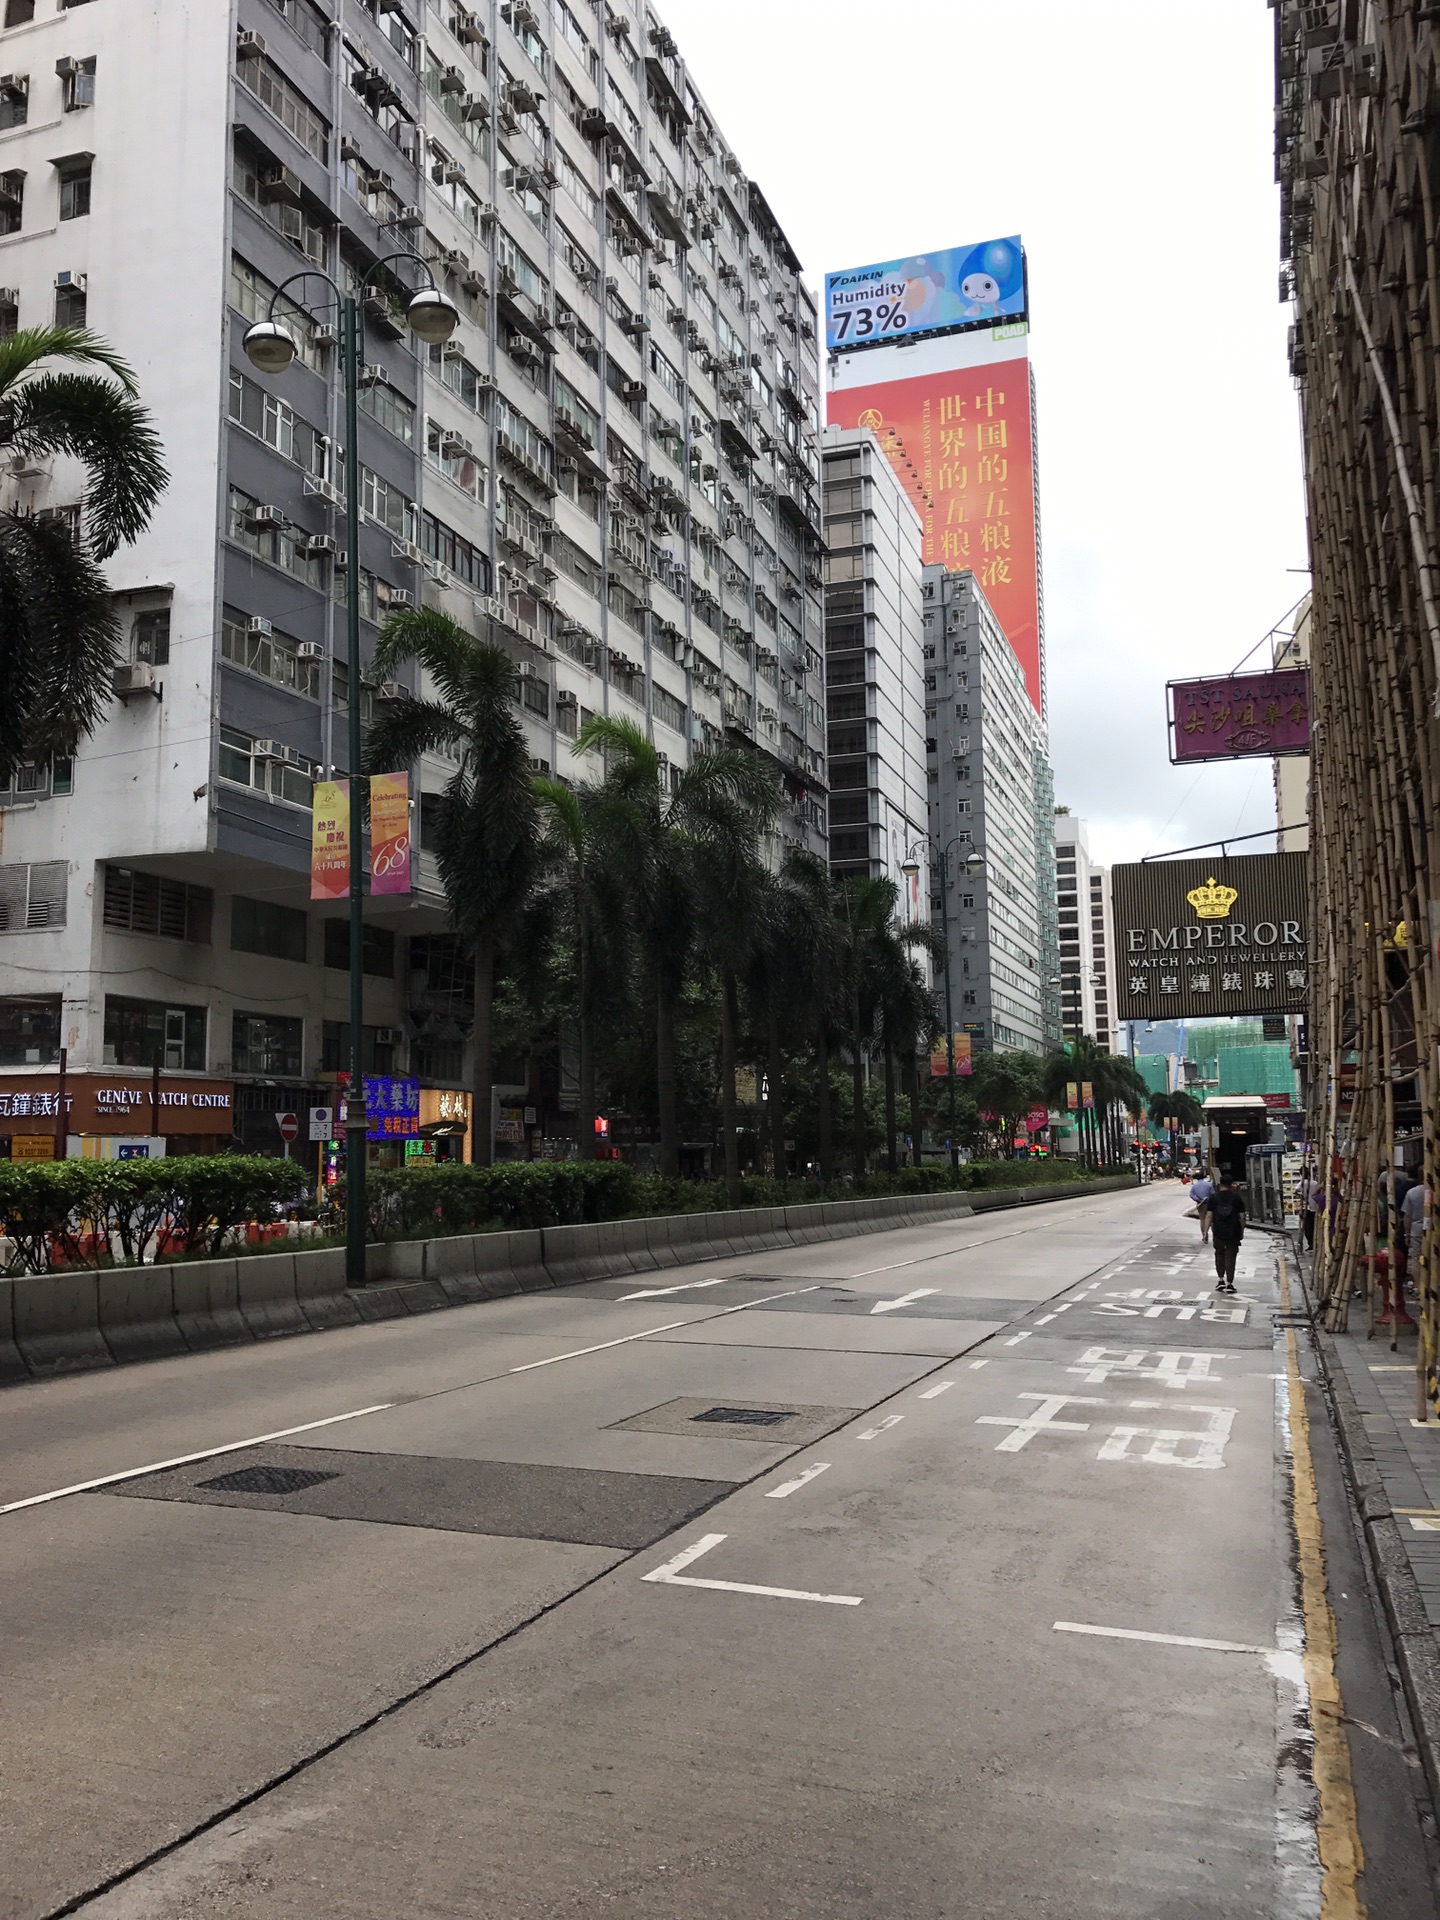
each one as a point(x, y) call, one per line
point(1227, 1224)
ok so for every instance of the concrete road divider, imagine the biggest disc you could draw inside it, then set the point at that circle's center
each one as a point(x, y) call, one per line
point(52, 1323)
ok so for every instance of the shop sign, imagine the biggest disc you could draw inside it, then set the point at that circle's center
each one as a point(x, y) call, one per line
point(32, 1146)
point(392, 1106)
point(106, 1103)
point(1201, 938)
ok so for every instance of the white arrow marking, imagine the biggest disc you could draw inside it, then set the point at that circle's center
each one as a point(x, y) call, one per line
point(905, 1300)
point(654, 1293)
point(800, 1480)
point(670, 1576)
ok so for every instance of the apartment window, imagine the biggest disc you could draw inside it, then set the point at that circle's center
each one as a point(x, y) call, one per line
point(384, 503)
point(15, 101)
point(29, 1033)
point(260, 926)
point(268, 1044)
point(75, 188)
point(308, 22)
point(377, 950)
point(137, 902)
point(456, 373)
point(250, 526)
point(9, 317)
point(449, 453)
point(575, 410)
point(275, 422)
point(266, 766)
point(149, 1033)
point(70, 304)
point(464, 559)
point(531, 282)
point(288, 216)
point(390, 408)
point(19, 13)
point(376, 1056)
point(12, 200)
point(287, 103)
point(150, 637)
point(251, 294)
point(78, 77)
point(667, 708)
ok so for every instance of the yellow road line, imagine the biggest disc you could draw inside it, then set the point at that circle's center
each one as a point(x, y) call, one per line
point(1342, 1858)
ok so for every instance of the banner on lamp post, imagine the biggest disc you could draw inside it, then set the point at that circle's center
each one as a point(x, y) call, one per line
point(1087, 1094)
point(1072, 1094)
point(330, 841)
point(390, 833)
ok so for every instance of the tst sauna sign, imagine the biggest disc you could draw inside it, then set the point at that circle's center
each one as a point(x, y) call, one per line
point(1198, 939)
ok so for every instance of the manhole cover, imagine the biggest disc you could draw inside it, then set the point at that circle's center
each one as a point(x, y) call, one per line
point(267, 1480)
point(744, 1416)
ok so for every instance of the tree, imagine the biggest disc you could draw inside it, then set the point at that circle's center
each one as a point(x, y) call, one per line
point(1172, 1110)
point(812, 939)
point(1006, 1086)
point(487, 836)
point(1114, 1083)
point(59, 634)
point(657, 834)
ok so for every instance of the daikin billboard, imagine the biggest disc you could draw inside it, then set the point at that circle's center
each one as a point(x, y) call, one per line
point(956, 288)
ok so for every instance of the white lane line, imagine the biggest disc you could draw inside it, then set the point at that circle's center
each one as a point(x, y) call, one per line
point(578, 1353)
point(975, 1365)
point(670, 1576)
point(800, 1480)
point(1044, 1319)
point(905, 1300)
point(933, 1393)
point(684, 1286)
point(1425, 1526)
point(1015, 1339)
point(1161, 1639)
point(186, 1459)
point(890, 1420)
point(1065, 1306)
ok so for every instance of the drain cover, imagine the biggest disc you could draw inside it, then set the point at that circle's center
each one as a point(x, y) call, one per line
point(267, 1480)
point(744, 1416)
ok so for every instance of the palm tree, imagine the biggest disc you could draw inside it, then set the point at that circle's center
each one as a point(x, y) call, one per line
point(59, 634)
point(1170, 1110)
point(909, 1022)
point(810, 975)
point(487, 835)
point(656, 835)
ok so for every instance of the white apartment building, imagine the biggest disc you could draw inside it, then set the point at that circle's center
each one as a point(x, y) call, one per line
point(874, 663)
point(991, 811)
point(611, 469)
point(1087, 937)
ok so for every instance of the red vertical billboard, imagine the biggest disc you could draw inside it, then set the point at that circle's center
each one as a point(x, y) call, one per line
point(961, 443)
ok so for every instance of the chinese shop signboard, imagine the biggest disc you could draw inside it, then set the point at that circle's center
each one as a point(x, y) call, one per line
point(392, 1106)
point(1201, 938)
point(1238, 715)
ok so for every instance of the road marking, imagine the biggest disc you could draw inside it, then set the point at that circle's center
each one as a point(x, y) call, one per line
point(1042, 1420)
point(684, 1286)
point(905, 1300)
point(1065, 1306)
point(890, 1420)
point(1392, 1369)
point(1044, 1319)
point(670, 1576)
point(933, 1393)
point(186, 1459)
point(975, 1365)
point(1342, 1857)
point(800, 1480)
point(1209, 1442)
point(1161, 1639)
point(578, 1353)
point(1425, 1526)
point(1171, 1369)
point(1016, 1338)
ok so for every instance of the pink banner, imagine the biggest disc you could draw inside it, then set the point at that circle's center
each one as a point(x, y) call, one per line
point(1238, 714)
point(390, 833)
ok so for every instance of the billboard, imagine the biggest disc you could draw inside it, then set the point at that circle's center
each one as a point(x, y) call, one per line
point(956, 288)
point(1198, 939)
point(960, 442)
point(1238, 714)
point(330, 841)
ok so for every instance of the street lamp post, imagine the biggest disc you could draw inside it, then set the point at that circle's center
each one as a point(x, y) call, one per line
point(270, 347)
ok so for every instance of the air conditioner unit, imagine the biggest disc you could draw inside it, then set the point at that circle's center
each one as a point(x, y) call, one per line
point(324, 335)
point(457, 259)
point(257, 623)
point(484, 213)
point(318, 543)
point(452, 175)
point(75, 281)
point(325, 490)
point(409, 217)
point(401, 597)
point(475, 109)
point(309, 650)
point(473, 280)
point(467, 28)
point(453, 81)
point(248, 46)
point(66, 68)
point(632, 389)
point(407, 550)
point(268, 750)
point(350, 149)
point(612, 285)
point(265, 517)
point(280, 184)
point(452, 350)
point(388, 1036)
point(132, 677)
point(491, 605)
point(390, 691)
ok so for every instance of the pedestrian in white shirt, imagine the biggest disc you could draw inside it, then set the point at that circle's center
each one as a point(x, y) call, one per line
point(1202, 1192)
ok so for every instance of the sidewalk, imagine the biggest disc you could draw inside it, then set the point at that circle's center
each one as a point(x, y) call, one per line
point(1394, 1463)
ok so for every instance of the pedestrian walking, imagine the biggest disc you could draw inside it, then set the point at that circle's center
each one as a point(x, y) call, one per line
point(1312, 1198)
point(1227, 1222)
point(1413, 1209)
point(1202, 1192)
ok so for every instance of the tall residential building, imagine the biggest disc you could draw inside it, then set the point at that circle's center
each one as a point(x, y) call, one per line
point(875, 669)
point(1087, 943)
point(991, 823)
point(611, 469)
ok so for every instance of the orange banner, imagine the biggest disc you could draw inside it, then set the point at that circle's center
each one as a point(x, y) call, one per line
point(390, 833)
point(330, 841)
point(960, 443)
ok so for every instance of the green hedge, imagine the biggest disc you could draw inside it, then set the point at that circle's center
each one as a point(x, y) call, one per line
point(67, 1213)
point(408, 1203)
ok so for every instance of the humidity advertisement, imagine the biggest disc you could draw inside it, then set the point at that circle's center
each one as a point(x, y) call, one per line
point(330, 841)
point(958, 287)
point(960, 442)
point(1201, 938)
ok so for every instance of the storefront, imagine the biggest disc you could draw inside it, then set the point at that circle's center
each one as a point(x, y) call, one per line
point(95, 1111)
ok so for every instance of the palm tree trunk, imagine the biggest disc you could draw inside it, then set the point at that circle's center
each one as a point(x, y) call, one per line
point(482, 1124)
point(890, 1122)
point(587, 1057)
point(857, 1105)
point(915, 1119)
point(728, 1111)
point(777, 1091)
point(665, 1084)
point(822, 1103)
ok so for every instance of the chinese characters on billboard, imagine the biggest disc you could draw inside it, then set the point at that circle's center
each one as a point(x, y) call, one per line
point(392, 1106)
point(960, 443)
point(1200, 938)
point(1239, 714)
point(957, 287)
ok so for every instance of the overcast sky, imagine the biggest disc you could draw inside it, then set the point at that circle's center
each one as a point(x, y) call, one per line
point(1129, 143)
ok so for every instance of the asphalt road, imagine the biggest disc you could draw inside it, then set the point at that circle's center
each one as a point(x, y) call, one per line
point(952, 1571)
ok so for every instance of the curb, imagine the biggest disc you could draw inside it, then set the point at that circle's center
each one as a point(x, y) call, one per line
point(1417, 1653)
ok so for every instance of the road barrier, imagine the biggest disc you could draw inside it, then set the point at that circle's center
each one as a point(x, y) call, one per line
point(65, 1322)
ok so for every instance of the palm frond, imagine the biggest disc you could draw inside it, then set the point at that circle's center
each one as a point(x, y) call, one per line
point(59, 640)
point(407, 728)
point(106, 428)
point(22, 349)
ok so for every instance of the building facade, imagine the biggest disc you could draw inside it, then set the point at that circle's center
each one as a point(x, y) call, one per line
point(1086, 935)
point(1292, 771)
point(875, 667)
point(991, 816)
point(612, 470)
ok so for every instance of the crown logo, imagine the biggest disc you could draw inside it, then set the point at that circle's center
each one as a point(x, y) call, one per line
point(1211, 902)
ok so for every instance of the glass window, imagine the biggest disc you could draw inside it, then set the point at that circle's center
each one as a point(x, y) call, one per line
point(376, 1056)
point(266, 1044)
point(75, 191)
point(279, 543)
point(393, 411)
point(148, 1033)
point(378, 951)
point(150, 638)
point(294, 221)
point(260, 926)
point(289, 106)
point(251, 294)
point(30, 1032)
point(137, 902)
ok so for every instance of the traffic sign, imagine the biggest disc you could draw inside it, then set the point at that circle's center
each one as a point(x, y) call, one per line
point(322, 1123)
point(289, 1125)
